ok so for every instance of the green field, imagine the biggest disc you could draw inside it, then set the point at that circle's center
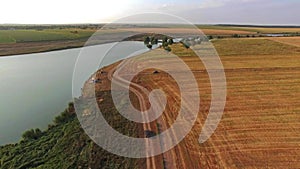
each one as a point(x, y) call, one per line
point(16, 36)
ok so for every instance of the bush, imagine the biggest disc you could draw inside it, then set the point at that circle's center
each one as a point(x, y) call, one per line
point(146, 40)
point(167, 48)
point(154, 40)
point(165, 39)
point(235, 36)
point(164, 44)
point(170, 41)
point(32, 134)
point(64, 117)
point(149, 46)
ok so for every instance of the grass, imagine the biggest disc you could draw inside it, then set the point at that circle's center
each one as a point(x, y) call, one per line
point(16, 36)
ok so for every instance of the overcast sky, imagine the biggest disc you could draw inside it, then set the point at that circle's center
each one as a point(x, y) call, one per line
point(263, 12)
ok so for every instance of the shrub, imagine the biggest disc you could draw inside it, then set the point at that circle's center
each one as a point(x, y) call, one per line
point(63, 117)
point(32, 134)
point(236, 36)
point(146, 40)
point(149, 46)
point(170, 41)
point(167, 48)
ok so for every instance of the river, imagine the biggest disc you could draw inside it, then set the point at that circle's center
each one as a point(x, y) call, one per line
point(34, 88)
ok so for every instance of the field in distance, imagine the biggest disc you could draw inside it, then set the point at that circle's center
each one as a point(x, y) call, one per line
point(23, 39)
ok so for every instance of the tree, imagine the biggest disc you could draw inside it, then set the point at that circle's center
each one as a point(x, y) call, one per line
point(149, 46)
point(146, 40)
point(170, 41)
point(165, 39)
point(154, 40)
point(63, 117)
point(164, 44)
point(28, 135)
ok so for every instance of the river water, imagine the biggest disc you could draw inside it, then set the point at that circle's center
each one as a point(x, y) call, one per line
point(34, 88)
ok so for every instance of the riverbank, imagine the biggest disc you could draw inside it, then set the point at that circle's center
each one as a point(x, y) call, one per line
point(38, 47)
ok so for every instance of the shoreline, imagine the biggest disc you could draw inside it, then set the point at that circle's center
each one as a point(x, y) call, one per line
point(7, 50)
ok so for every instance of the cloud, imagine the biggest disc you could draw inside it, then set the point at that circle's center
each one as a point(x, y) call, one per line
point(218, 3)
point(246, 12)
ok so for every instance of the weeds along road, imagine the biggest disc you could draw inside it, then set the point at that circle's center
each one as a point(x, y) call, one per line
point(152, 162)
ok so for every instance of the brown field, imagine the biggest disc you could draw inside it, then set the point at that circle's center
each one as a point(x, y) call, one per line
point(253, 29)
point(268, 30)
point(185, 30)
point(260, 127)
point(294, 41)
point(253, 46)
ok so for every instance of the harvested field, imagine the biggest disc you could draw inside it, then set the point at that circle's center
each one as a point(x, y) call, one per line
point(269, 30)
point(294, 41)
point(185, 30)
point(255, 46)
point(260, 126)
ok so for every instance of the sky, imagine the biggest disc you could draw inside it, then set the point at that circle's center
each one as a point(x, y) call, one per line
point(262, 12)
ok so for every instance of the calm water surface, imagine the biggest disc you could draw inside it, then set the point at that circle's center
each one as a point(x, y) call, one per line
point(34, 88)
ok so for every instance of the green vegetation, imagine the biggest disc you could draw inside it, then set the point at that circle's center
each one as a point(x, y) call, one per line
point(150, 41)
point(17, 36)
point(147, 40)
point(63, 145)
point(32, 134)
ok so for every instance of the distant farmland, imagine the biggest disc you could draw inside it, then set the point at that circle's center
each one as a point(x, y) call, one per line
point(18, 36)
point(255, 29)
point(16, 39)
